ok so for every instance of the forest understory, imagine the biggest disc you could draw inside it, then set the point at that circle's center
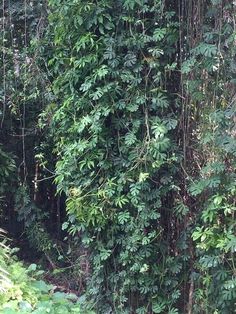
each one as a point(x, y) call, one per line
point(118, 156)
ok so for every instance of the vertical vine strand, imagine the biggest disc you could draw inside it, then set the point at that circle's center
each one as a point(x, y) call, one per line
point(24, 95)
point(4, 63)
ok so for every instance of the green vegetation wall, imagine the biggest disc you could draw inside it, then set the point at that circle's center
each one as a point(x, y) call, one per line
point(118, 161)
point(138, 118)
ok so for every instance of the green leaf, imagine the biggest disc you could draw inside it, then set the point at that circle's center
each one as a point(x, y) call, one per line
point(41, 286)
point(159, 34)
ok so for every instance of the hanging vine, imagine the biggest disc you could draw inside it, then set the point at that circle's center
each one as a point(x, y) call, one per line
point(127, 108)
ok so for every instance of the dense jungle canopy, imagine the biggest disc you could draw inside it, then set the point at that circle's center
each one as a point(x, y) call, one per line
point(117, 156)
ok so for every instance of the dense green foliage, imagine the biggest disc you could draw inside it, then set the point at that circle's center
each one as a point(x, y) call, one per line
point(119, 144)
point(117, 155)
point(21, 293)
point(213, 79)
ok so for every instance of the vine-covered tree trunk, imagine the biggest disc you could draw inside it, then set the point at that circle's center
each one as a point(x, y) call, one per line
point(128, 107)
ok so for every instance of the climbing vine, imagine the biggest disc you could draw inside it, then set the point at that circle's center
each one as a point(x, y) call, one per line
point(123, 114)
point(118, 157)
point(210, 84)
